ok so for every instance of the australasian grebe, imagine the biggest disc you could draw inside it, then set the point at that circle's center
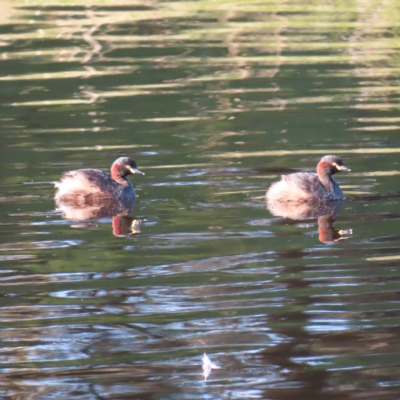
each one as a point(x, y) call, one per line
point(310, 187)
point(83, 185)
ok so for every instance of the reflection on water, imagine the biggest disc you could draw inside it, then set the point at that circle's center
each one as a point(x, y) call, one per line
point(85, 215)
point(216, 99)
point(76, 211)
point(304, 210)
point(324, 212)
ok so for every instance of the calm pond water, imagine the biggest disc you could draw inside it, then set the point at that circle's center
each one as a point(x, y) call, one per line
point(214, 100)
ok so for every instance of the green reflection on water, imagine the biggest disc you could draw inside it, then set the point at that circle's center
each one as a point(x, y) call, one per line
point(214, 100)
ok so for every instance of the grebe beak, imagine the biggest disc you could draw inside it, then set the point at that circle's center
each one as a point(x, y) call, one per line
point(341, 167)
point(136, 171)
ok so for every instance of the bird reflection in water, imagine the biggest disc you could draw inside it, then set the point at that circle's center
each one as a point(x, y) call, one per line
point(85, 214)
point(324, 212)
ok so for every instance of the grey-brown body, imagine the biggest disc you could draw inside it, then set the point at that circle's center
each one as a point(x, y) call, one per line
point(309, 187)
point(83, 183)
point(92, 186)
point(304, 186)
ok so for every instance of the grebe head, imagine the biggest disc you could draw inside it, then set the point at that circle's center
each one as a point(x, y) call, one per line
point(124, 166)
point(329, 165)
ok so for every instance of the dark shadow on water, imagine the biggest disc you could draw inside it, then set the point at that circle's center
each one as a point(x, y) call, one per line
point(324, 212)
point(85, 215)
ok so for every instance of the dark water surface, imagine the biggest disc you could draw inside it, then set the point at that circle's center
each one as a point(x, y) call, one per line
point(214, 100)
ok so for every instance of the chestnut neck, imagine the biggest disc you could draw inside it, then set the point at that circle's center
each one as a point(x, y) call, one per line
point(324, 173)
point(115, 174)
